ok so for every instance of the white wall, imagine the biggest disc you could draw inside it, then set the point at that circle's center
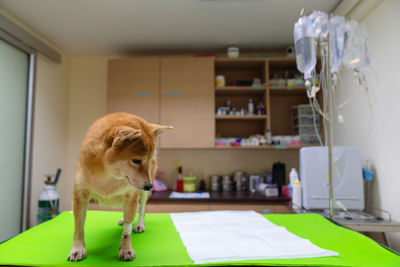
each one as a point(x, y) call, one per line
point(87, 102)
point(378, 136)
point(50, 126)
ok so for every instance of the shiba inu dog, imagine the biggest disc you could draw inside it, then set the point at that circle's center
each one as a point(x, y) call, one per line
point(117, 165)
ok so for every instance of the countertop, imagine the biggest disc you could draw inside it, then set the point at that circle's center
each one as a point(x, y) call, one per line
point(230, 197)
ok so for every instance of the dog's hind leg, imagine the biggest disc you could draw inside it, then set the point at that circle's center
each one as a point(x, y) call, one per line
point(126, 253)
point(80, 203)
point(139, 228)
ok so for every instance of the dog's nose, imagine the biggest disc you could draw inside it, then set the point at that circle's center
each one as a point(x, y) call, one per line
point(148, 187)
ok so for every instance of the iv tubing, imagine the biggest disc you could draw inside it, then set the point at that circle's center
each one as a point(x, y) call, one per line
point(315, 123)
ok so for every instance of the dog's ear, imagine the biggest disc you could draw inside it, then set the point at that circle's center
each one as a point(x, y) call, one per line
point(159, 129)
point(125, 134)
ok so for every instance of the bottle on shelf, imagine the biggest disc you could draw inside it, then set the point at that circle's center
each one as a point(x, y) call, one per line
point(250, 107)
point(228, 105)
point(179, 181)
point(268, 136)
point(296, 189)
point(293, 175)
point(260, 109)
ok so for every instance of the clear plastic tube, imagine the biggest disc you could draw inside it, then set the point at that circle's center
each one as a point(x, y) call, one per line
point(315, 123)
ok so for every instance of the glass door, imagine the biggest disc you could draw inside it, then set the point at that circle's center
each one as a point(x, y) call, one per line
point(14, 70)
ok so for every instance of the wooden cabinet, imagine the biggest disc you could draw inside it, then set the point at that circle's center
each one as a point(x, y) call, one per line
point(187, 102)
point(180, 92)
point(275, 92)
point(170, 91)
point(238, 70)
point(134, 87)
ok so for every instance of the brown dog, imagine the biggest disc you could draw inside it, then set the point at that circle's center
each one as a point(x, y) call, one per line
point(117, 164)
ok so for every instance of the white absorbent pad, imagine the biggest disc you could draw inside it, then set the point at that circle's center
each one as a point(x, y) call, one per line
point(218, 236)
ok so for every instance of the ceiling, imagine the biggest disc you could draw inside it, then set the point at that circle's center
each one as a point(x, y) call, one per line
point(126, 27)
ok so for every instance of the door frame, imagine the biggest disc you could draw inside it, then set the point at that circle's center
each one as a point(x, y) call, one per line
point(27, 165)
point(28, 143)
point(20, 38)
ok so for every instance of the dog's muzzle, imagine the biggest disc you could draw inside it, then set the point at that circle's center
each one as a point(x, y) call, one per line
point(148, 187)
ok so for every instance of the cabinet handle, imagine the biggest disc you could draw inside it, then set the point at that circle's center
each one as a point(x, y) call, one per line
point(142, 94)
point(173, 93)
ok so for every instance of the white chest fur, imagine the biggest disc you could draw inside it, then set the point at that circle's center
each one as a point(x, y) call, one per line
point(108, 188)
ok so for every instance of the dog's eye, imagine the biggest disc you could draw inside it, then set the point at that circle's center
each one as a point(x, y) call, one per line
point(137, 161)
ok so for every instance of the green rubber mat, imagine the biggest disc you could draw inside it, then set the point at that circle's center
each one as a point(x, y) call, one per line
point(49, 243)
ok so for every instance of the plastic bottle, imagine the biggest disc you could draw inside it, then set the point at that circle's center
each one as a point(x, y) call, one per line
point(293, 176)
point(250, 107)
point(296, 189)
point(305, 47)
point(228, 104)
point(179, 181)
point(268, 136)
point(49, 201)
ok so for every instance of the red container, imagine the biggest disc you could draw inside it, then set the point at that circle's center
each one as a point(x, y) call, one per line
point(285, 191)
point(179, 185)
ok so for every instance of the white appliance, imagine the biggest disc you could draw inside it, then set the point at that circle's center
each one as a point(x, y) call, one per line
point(348, 182)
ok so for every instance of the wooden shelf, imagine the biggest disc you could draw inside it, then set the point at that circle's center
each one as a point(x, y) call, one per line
point(282, 63)
point(240, 59)
point(270, 147)
point(239, 63)
point(228, 197)
point(282, 59)
point(298, 90)
point(277, 101)
point(247, 88)
point(240, 90)
point(240, 117)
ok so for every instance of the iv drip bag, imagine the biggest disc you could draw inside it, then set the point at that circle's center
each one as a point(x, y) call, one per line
point(364, 63)
point(337, 38)
point(353, 51)
point(305, 46)
point(320, 21)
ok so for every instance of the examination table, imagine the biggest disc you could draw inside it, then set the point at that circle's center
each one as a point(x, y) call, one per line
point(49, 243)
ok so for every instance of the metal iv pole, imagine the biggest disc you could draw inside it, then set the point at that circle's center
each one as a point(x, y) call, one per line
point(330, 133)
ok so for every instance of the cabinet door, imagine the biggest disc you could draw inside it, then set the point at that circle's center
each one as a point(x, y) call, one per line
point(134, 87)
point(187, 102)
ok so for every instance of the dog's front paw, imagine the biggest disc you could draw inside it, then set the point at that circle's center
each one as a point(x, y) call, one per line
point(139, 228)
point(77, 254)
point(126, 254)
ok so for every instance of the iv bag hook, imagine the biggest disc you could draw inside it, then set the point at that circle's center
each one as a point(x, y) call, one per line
point(302, 12)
